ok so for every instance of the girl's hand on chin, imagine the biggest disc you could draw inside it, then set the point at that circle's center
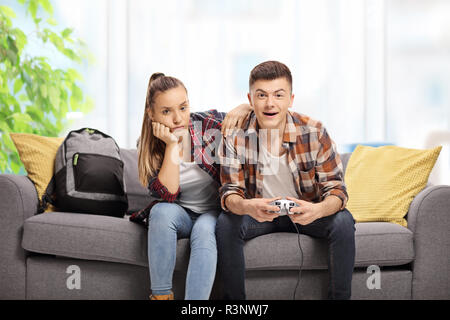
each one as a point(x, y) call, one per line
point(163, 133)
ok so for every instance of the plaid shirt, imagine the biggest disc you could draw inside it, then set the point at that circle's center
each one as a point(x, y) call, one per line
point(204, 129)
point(311, 154)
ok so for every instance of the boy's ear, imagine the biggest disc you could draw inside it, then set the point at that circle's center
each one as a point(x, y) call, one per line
point(250, 100)
point(292, 101)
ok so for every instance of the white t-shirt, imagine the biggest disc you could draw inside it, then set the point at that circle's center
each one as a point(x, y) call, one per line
point(198, 190)
point(277, 176)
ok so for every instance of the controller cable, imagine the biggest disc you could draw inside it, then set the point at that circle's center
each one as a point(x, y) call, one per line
point(301, 259)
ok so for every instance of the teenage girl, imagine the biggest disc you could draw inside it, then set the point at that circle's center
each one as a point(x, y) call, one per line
point(175, 163)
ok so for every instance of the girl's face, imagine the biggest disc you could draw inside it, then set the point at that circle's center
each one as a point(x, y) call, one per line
point(171, 108)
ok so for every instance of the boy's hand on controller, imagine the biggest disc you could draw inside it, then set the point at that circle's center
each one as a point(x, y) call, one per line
point(306, 212)
point(258, 209)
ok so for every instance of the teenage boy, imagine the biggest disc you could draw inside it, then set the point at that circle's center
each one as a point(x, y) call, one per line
point(281, 154)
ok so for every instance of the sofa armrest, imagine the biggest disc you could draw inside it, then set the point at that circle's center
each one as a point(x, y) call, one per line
point(19, 201)
point(429, 220)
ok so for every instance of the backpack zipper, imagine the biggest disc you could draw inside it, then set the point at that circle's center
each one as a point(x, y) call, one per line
point(76, 156)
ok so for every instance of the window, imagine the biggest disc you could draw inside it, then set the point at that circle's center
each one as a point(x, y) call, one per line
point(372, 71)
point(418, 77)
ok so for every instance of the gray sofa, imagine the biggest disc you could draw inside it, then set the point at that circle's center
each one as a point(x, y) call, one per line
point(38, 252)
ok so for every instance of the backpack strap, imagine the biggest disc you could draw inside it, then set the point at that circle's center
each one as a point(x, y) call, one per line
point(47, 196)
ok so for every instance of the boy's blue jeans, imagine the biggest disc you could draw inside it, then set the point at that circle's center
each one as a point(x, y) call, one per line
point(167, 223)
point(233, 230)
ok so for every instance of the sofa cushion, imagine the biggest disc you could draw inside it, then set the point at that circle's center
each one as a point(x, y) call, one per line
point(85, 236)
point(113, 239)
point(37, 154)
point(383, 181)
point(377, 243)
point(92, 237)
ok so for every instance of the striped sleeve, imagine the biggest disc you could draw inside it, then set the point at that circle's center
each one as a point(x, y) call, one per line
point(219, 116)
point(158, 190)
point(329, 170)
point(231, 171)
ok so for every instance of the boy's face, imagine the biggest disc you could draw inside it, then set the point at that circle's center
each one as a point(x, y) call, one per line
point(271, 99)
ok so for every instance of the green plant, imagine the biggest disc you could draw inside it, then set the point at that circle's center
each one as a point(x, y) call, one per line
point(35, 96)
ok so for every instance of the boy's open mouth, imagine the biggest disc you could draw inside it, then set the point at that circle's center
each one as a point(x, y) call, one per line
point(270, 114)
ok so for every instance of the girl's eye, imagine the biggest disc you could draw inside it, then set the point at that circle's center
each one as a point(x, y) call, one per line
point(165, 112)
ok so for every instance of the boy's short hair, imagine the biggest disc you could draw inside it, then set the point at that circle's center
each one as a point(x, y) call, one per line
point(270, 70)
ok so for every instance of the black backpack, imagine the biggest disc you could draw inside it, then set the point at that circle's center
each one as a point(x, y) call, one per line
point(89, 176)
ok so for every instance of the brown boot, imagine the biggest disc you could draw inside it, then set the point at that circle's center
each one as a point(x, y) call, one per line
point(162, 296)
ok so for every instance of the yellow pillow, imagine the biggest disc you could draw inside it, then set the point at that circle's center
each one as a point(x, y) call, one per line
point(37, 154)
point(382, 182)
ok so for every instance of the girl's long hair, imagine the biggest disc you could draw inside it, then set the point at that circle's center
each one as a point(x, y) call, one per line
point(151, 149)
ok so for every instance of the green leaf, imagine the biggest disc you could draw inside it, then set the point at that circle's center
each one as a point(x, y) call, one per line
point(43, 89)
point(4, 127)
point(7, 11)
point(3, 162)
point(71, 54)
point(3, 157)
point(53, 94)
point(11, 56)
point(32, 8)
point(73, 75)
point(12, 44)
point(15, 167)
point(47, 6)
point(74, 105)
point(66, 32)
point(52, 22)
point(18, 85)
point(29, 92)
point(77, 94)
point(35, 113)
point(21, 38)
point(63, 108)
point(26, 78)
point(23, 98)
point(57, 41)
point(8, 142)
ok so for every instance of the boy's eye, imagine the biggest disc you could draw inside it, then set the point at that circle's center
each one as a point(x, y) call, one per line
point(183, 108)
point(260, 95)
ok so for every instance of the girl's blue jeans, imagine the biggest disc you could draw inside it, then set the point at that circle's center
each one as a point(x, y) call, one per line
point(169, 222)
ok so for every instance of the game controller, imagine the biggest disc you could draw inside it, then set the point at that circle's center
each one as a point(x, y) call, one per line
point(284, 206)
